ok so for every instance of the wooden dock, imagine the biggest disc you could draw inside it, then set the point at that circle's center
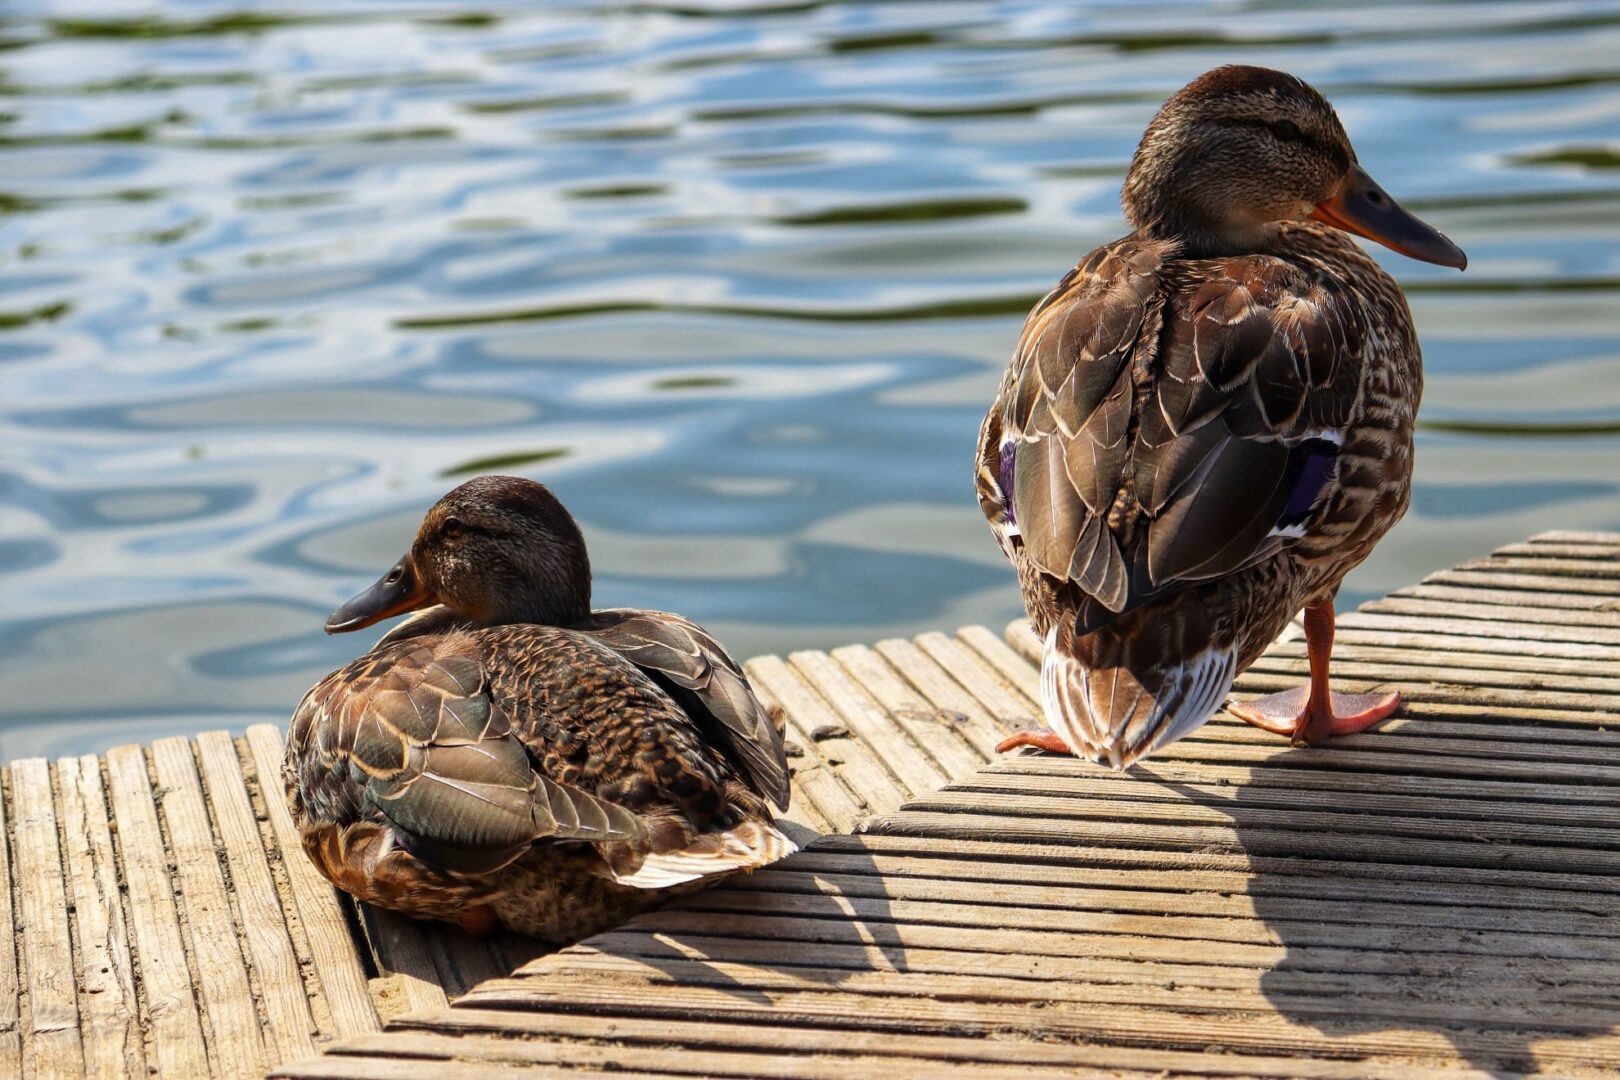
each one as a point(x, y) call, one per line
point(1437, 896)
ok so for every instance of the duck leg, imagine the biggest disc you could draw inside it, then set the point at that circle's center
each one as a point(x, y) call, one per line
point(1043, 738)
point(1312, 713)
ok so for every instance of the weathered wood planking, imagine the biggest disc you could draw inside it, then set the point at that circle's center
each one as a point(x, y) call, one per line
point(1437, 897)
point(200, 941)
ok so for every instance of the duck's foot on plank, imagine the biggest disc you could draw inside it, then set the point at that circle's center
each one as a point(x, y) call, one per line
point(1289, 714)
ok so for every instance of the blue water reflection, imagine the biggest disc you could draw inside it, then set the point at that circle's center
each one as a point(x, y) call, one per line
point(736, 279)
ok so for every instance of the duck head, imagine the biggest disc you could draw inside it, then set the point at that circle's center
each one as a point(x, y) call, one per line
point(497, 549)
point(1241, 148)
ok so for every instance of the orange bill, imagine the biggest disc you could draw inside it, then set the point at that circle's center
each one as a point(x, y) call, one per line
point(1360, 206)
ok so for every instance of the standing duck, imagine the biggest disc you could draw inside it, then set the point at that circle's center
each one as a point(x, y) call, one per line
point(1208, 423)
point(510, 757)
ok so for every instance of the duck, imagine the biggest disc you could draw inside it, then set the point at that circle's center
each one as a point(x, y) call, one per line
point(1208, 423)
point(509, 757)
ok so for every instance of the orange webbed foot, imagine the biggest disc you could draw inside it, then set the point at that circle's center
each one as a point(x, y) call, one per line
point(1042, 738)
point(480, 921)
point(1288, 713)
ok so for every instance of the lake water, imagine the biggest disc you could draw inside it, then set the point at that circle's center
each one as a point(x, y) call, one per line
point(737, 279)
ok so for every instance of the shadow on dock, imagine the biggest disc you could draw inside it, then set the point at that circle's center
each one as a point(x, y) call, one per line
point(1485, 918)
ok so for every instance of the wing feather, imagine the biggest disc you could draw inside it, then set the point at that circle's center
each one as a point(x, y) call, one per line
point(1158, 417)
point(411, 736)
point(685, 657)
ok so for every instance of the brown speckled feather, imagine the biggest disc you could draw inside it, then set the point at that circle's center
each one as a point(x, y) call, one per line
point(1185, 451)
point(698, 672)
point(527, 767)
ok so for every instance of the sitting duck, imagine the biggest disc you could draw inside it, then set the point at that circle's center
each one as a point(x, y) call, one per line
point(1208, 423)
point(510, 757)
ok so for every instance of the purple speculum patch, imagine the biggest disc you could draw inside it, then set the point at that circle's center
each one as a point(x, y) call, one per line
point(1004, 477)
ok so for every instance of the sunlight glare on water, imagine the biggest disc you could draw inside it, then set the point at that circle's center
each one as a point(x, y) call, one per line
point(737, 279)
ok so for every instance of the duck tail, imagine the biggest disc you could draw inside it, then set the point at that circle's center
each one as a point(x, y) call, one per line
point(748, 846)
point(1115, 699)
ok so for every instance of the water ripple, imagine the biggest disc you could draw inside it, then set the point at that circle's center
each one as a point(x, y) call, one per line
point(736, 278)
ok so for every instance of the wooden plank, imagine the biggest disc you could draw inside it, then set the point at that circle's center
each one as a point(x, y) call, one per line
point(865, 873)
point(972, 720)
point(1439, 728)
point(1477, 982)
point(1475, 723)
point(1576, 536)
point(1581, 621)
point(1541, 583)
point(832, 1005)
point(1318, 925)
point(11, 1019)
point(1009, 709)
point(695, 929)
point(871, 784)
point(727, 1062)
point(1267, 765)
point(1184, 899)
point(279, 985)
point(818, 771)
point(1455, 686)
point(1491, 660)
point(1371, 754)
point(1022, 675)
point(332, 947)
point(940, 1051)
point(1440, 621)
point(396, 1068)
point(1020, 637)
point(1598, 610)
point(174, 1025)
point(1369, 1004)
point(110, 1016)
point(1573, 690)
point(1270, 867)
point(235, 1048)
point(1137, 831)
point(867, 720)
point(53, 1045)
point(462, 960)
point(400, 945)
point(1301, 789)
point(926, 726)
point(1550, 549)
point(1590, 566)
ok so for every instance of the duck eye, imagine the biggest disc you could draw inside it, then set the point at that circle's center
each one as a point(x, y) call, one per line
point(1286, 129)
point(452, 528)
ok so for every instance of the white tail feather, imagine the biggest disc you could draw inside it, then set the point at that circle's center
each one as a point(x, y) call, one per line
point(1110, 717)
point(747, 847)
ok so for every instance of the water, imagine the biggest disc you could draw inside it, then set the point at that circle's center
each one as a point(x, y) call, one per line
point(737, 279)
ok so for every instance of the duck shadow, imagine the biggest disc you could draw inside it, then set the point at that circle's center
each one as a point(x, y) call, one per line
point(1422, 935)
point(815, 920)
point(749, 935)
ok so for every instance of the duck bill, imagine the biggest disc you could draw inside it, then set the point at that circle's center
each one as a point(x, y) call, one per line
point(395, 593)
point(1360, 206)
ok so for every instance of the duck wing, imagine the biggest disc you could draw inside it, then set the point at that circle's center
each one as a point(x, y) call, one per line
point(706, 681)
point(1166, 422)
point(410, 734)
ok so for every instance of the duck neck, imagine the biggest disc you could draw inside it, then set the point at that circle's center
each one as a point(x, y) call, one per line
point(1164, 199)
point(559, 595)
point(550, 585)
point(546, 606)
